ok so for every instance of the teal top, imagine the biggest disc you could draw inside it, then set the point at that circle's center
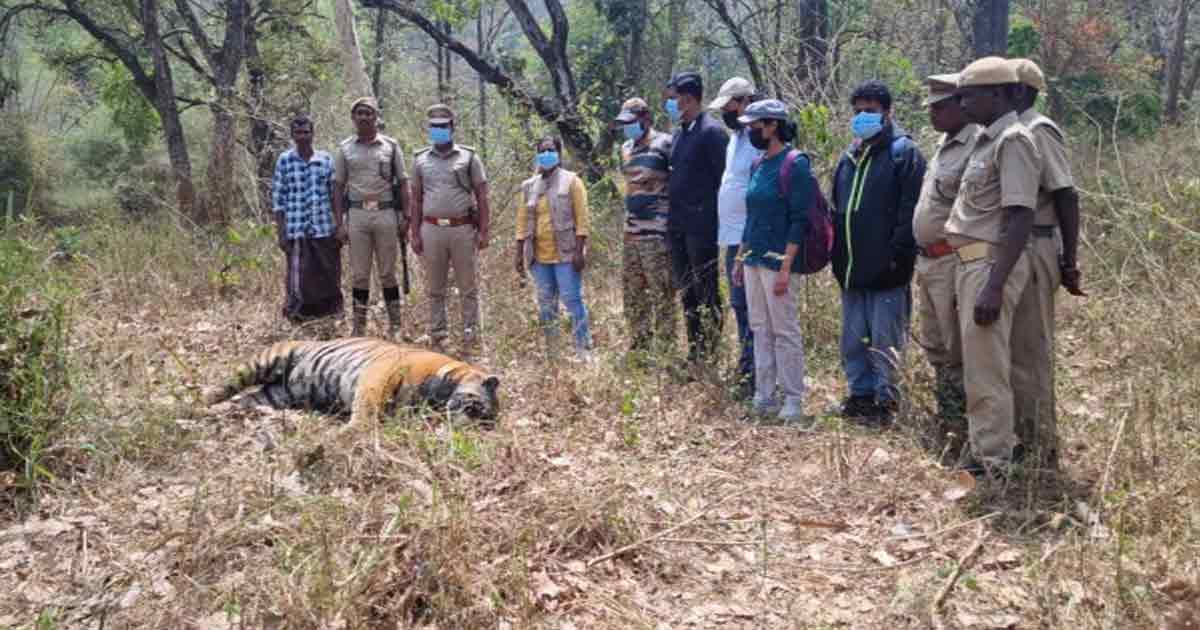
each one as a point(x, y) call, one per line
point(772, 221)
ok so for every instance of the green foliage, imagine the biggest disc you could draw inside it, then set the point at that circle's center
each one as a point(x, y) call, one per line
point(813, 124)
point(35, 383)
point(131, 112)
point(1023, 37)
point(16, 162)
point(239, 252)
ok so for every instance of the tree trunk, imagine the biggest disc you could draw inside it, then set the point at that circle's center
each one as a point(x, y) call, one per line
point(813, 16)
point(637, 44)
point(991, 28)
point(261, 133)
point(481, 45)
point(1190, 90)
point(357, 83)
point(1175, 60)
point(377, 65)
point(163, 97)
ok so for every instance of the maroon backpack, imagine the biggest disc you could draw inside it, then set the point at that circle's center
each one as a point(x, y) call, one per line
point(818, 242)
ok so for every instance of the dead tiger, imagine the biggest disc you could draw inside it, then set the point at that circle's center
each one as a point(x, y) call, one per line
point(369, 377)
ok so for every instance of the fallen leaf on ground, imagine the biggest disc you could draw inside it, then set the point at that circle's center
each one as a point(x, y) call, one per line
point(964, 483)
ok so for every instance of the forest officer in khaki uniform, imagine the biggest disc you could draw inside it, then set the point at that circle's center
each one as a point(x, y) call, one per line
point(989, 229)
point(450, 224)
point(370, 187)
point(1055, 244)
point(936, 263)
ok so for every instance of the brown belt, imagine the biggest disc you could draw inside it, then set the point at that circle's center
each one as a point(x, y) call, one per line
point(455, 222)
point(974, 251)
point(937, 250)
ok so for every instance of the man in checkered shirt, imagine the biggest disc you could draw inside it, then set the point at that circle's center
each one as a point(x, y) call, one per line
point(310, 233)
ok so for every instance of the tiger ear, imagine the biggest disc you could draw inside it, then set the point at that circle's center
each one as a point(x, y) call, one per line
point(491, 383)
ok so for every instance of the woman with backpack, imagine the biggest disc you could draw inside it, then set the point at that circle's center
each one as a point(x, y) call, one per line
point(771, 259)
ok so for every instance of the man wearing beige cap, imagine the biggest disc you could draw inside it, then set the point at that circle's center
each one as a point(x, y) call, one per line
point(936, 263)
point(649, 293)
point(731, 102)
point(1055, 245)
point(450, 224)
point(370, 189)
point(989, 229)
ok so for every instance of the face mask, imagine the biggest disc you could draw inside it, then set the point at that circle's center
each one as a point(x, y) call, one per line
point(439, 135)
point(757, 140)
point(866, 125)
point(731, 120)
point(673, 109)
point(547, 159)
point(632, 130)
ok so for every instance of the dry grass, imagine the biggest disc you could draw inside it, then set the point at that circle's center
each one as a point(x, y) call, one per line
point(165, 515)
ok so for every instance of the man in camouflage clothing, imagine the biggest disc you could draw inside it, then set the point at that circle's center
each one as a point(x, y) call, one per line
point(650, 304)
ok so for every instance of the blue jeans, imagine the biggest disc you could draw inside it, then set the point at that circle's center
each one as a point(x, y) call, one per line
point(560, 280)
point(874, 330)
point(737, 300)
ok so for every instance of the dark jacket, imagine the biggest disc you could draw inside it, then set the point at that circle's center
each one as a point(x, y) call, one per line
point(697, 164)
point(873, 245)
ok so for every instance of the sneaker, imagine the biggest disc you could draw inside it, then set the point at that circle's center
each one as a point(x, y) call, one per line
point(764, 405)
point(585, 356)
point(792, 414)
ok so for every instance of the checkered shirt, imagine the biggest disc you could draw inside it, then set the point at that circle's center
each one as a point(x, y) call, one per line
point(302, 191)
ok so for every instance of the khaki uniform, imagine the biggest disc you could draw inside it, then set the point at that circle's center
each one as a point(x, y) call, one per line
point(1003, 170)
point(366, 171)
point(447, 182)
point(1033, 361)
point(936, 269)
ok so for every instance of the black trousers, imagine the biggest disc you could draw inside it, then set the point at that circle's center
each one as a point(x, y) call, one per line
point(694, 262)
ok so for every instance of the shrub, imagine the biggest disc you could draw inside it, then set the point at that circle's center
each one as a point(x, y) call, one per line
point(35, 381)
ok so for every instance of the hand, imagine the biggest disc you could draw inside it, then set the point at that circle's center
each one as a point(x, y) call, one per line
point(579, 261)
point(1071, 280)
point(780, 287)
point(283, 244)
point(341, 234)
point(519, 262)
point(987, 305)
point(739, 274)
point(418, 247)
point(481, 238)
point(401, 225)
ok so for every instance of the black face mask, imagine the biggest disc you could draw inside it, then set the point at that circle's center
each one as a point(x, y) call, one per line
point(731, 120)
point(757, 140)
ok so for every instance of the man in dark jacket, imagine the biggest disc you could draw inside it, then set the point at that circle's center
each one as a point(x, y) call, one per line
point(697, 164)
point(875, 188)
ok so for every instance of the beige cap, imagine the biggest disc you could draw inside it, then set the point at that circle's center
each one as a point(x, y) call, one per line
point(941, 87)
point(439, 114)
point(987, 71)
point(1029, 73)
point(737, 87)
point(369, 101)
point(631, 109)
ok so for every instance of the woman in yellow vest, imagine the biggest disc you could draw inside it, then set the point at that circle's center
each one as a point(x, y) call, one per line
point(552, 230)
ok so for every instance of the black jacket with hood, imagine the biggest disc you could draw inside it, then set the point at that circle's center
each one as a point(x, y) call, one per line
point(873, 244)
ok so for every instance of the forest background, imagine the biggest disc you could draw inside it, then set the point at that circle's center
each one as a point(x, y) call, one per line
point(138, 263)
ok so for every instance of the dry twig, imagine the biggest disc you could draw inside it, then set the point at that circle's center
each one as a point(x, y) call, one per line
point(935, 607)
point(653, 537)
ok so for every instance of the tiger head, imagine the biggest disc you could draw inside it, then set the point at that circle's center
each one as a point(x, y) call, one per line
point(461, 388)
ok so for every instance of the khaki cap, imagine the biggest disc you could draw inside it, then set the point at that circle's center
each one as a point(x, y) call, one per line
point(987, 71)
point(440, 114)
point(737, 87)
point(941, 87)
point(631, 109)
point(369, 101)
point(1029, 73)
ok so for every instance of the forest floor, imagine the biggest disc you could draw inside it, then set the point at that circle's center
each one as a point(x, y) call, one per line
point(605, 497)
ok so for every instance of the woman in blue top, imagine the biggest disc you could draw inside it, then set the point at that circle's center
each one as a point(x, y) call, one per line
point(775, 230)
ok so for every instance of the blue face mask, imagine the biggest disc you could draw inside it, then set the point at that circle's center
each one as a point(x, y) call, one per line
point(866, 125)
point(673, 109)
point(439, 135)
point(633, 130)
point(547, 159)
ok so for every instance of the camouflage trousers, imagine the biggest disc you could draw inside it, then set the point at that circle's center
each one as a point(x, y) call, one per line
point(651, 307)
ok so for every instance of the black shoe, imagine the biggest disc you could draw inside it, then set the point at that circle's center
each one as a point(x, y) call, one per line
point(856, 407)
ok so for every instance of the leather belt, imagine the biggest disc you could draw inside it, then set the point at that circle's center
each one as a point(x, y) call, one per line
point(975, 251)
point(456, 221)
point(937, 250)
point(1044, 231)
point(381, 205)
